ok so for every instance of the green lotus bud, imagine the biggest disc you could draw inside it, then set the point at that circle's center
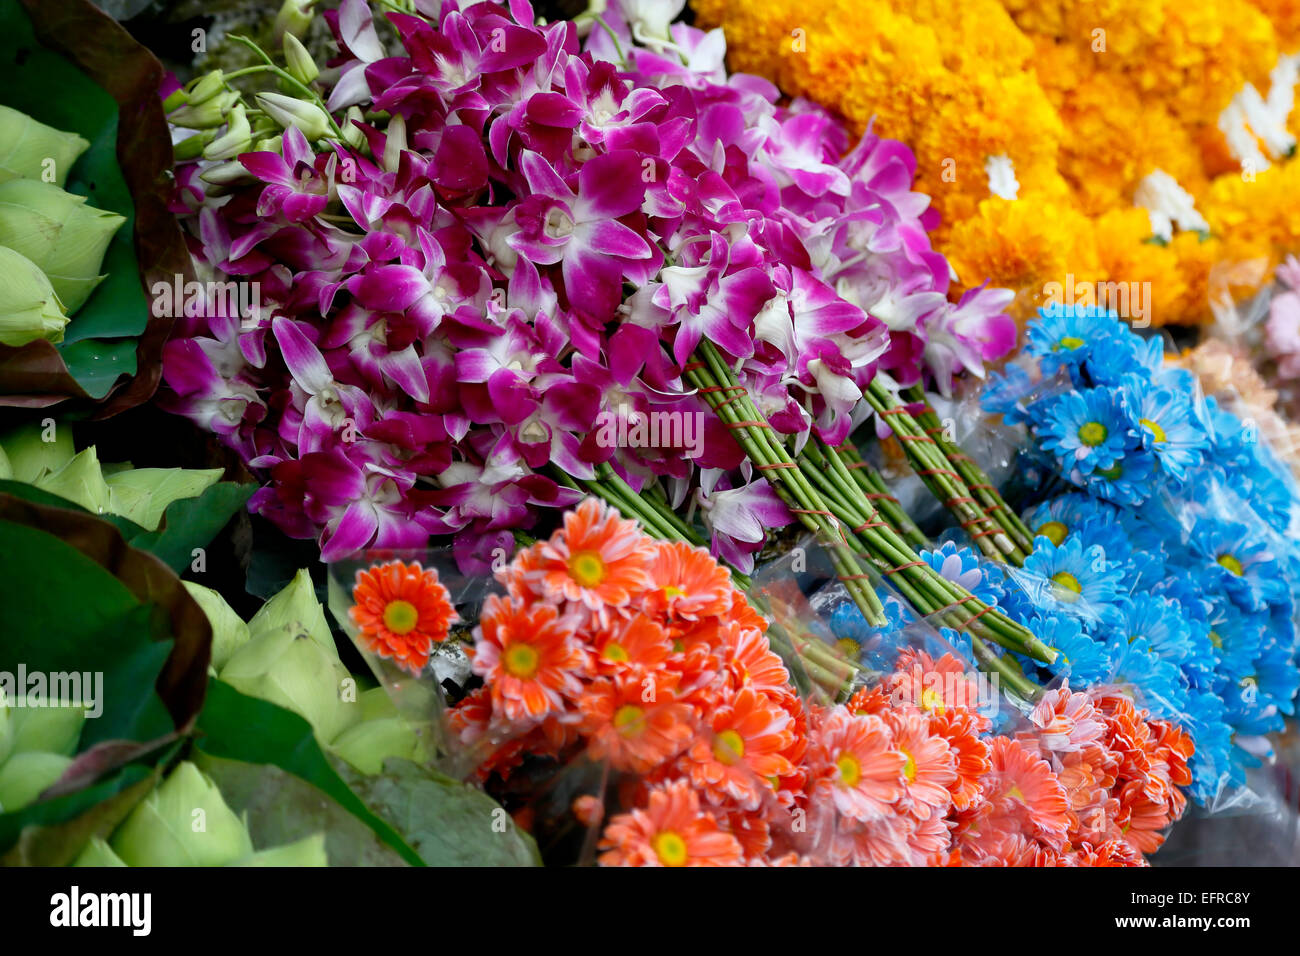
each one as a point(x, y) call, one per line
point(237, 138)
point(296, 610)
point(25, 776)
point(288, 111)
point(375, 704)
point(294, 671)
point(98, 853)
point(65, 237)
point(185, 822)
point(294, 18)
point(82, 481)
point(32, 150)
point(306, 852)
point(143, 494)
point(207, 115)
point(29, 307)
point(367, 745)
point(37, 449)
point(53, 730)
point(206, 88)
point(229, 632)
point(299, 62)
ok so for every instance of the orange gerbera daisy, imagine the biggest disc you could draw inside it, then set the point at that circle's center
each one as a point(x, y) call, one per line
point(1066, 721)
point(637, 726)
point(738, 752)
point(598, 560)
point(1023, 788)
point(528, 655)
point(688, 583)
point(929, 770)
point(868, 700)
point(672, 830)
point(751, 661)
point(633, 645)
point(401, 611)
point(961, 729)
point(934, 686)
point(857, 767)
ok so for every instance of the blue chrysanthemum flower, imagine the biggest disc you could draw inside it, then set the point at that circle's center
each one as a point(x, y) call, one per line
point(1158, 620)
point(873, 646)
point(1003, 393)
point(1237, 637)
point(1163, 421)
point(1126, 482)
point(1074, 579)
point(1081, 659)
point(1212, 765)
point(1086, 430)
point(1126, 354)
point(1064, 336)
point(1240, 562)
point(962, 566)
point(1277, 676)
point(1158, 684)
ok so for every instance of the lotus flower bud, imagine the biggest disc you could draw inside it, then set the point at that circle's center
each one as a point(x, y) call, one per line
point(301, 66)
point(375, 704)
point(32, 150)
point(288, 111)
point(53, 730)
point(98, 853)
point(237, 138)
point(367, 745)
point(295, 609)
point(63, 236)
point(206, 87)
point(207, 115)
point(294, 18)
point(306, 852)
point(25, 776)
point(229, 632)
point(80, 480)
point(29, 307)
point(143, 494)
point(185, 822)
point(31, 456)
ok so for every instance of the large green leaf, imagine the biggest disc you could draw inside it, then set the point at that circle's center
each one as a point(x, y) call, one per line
point(237, 727)
point(449, 823)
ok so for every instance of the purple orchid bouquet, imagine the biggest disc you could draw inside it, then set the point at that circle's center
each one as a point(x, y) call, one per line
point(505, 264)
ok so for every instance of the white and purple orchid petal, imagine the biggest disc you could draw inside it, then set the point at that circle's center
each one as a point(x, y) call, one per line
point(305, 362)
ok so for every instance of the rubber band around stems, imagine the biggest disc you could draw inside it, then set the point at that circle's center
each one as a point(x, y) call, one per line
point(904, 567)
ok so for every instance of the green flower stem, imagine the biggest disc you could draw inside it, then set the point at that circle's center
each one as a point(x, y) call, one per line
point(611, 478)
point(872, 484)
point(1007, 672)
point(300, 88)
point(719, 387)
point(977, 480)
point(944, 482)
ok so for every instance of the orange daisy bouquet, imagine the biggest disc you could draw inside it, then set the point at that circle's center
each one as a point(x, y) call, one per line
point(626, 703)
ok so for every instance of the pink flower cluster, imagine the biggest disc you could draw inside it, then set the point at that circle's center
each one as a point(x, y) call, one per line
point(534, 243)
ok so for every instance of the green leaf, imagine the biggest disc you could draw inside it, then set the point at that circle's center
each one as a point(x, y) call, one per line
point(238, 727)
point(282, 808)
point(97, 363)
point(449, 823)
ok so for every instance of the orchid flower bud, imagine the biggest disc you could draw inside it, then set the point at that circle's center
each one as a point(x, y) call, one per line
point(25, 776)
point(208, 115)
point(225, 174)
point(306, 852)
point(288, 111)
point(32, 150)
point(237, 138)
point(60, 233)
point(299, 62)
point(81, 480)
point(29, 307)
point(206, 88)
point(30, 454)
point(352, 134)
point(229, 632)
point(98, 853)
point(192, 147)
point(54, 730)
point(394, 143)
point(294, 18)
point(184, 822)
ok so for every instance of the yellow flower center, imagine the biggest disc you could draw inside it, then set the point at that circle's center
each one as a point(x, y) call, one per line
point(400, 617)
point(1066, 587)
point(1070, 343)
point(909, 768)
point(1215, 639)
point(1053, 531)
point(587, 568)
point(728, 747)
point(1111, 473)
point(521, 660)
point(1156, 431)
point(629, 720)
point(932, 701)
point(848, 647)
point(1231, 563)
point(1016, 792)
point(673, 591)
point(850, 770)
point(614, 652)
point(670, 848)
point(1092, 434)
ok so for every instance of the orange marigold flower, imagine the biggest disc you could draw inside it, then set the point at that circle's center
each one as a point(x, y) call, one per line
point(636, 726)
point(597, 560)
point(672, 830)
point(737, 757)
point(528, 656)
point(688, 583)
point(857, 767)
point(401, 611)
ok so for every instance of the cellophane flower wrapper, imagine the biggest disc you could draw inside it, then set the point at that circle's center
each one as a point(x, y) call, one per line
point(1165, 558)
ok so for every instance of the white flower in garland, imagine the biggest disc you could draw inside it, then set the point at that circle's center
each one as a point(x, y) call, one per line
point(1002, 177)
point(1168, 204)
